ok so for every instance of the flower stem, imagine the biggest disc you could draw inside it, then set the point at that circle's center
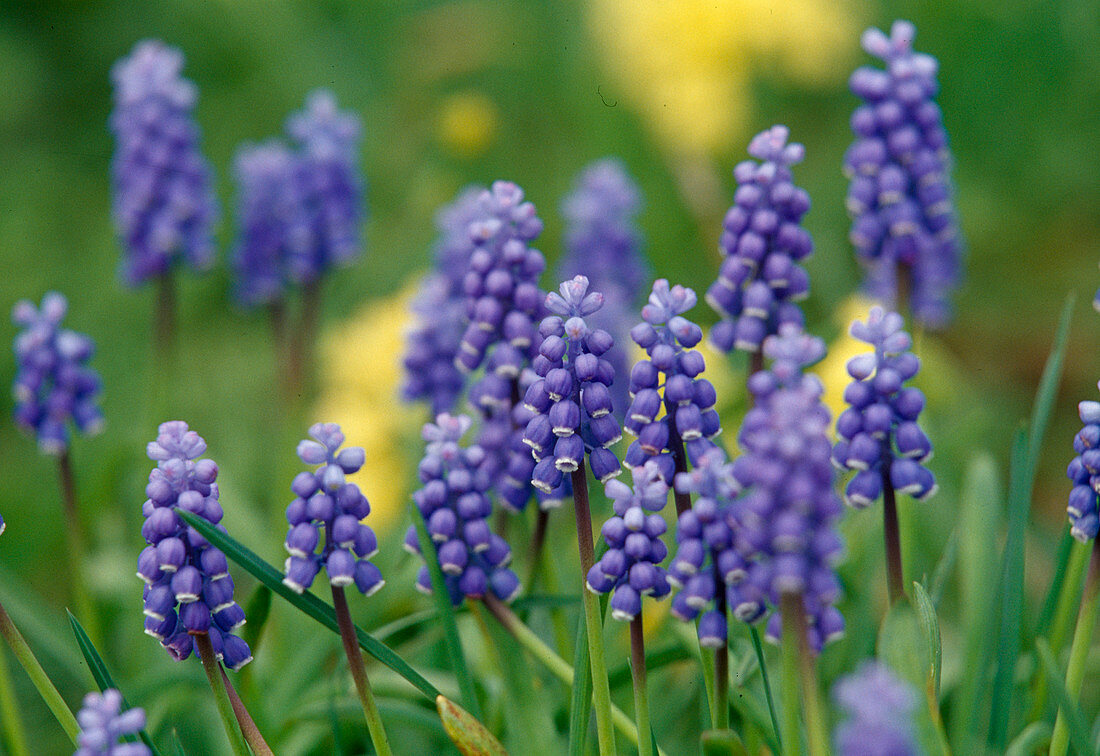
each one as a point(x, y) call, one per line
point(1079, 650)
point(41, 680)
point(74, 535)
point(721, 720)
point(759, 648)
point(679, 456)
point(300, 357)
point(799, 682)
point(211, 666)
point(891, 533)
point(637, 673)
point(165, 326)
point(14, 736)
point(249, 729)
point(359, 672)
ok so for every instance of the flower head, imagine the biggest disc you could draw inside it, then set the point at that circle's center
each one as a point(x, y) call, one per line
point(880, 708)
point(900, 195)
point(164, 203)
point(327, 505)
point(53, 384)
point(878, 434)
point(455, 505)
point(761, 277)
point(188, 588)
point(631, 566)
point(102, 723)
point(1084, 471)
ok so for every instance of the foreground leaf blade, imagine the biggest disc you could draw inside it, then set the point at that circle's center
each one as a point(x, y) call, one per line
point(467, 733)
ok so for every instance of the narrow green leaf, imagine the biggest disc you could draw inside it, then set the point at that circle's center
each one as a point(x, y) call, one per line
point(758, 649)
point(446, 612)
point(177, 746)
point(1050, 603)
point(307, 603)
point(1011, 593)
point(938, 580)
point(1078, 729)
point(1048, 390)
point(930, 624)
point(722, 743)
point(100, 674)
point(466, 732)
point(258, 609)
point(1032, 739)
point(580, 705)
point(654, 660)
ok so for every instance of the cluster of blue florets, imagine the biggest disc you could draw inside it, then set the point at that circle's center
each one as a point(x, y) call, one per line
point(103, 723)
point(1084, 471)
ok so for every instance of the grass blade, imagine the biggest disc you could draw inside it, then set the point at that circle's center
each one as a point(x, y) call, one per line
point(1048, 389)
point(1032, 739)
point(446, 612)
point(580, 706)
point(102, 677)
point(1046, 616)
point(758, 648)
point(1078, 730)
point(306, 603)
point(930, 624)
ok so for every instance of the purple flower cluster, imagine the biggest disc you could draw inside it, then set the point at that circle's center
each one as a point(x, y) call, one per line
point(669, 379)
point(102, 723)
point(455, 505)
point(710, 555)
point(440, 309)
point(572, 398)
point(900, 196)
point(164, 204)
point(878, 434)
point(188, 588)
point(53, 384)
point(1084, 471)
point(788, 510)
point(761, 278)
point(631, 566)
point(326, 501)
point(880, 708)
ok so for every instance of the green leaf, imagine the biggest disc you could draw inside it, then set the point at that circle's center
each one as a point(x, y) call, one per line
point(466, 732)
point(307, 603)
point(930, 624)
point(102, 677)
point(446, 612)
point(758, 649)
point(1048, 390)
point(1050, 603)
point(722, 743)
point(1033, 738)
point(257, 610)
point(580, 705)
point(1078, 729)
point(654, 660)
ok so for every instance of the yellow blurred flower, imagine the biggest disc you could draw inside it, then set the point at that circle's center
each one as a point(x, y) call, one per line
point(361, 369)
point(687, 64)
point(468, 123)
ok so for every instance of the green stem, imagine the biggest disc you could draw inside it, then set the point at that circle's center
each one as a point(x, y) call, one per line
point(891, 533)
point(249, 729)
point(359, 672)
point(1079, 651)
point(759, 648)
point(14, 736)
point(557, 666)
point(800, 681)
point(641, 698)
point(791, 737)
point(1068, 595)
point(46, 689)
point(211, 666)
point(707, 663)
point(74, 535)
point(601, 694)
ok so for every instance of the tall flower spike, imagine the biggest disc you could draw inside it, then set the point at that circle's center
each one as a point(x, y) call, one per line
point(878, 434)
point(103, 723)
point(900, 196)
point(188, 588)
point(880, 708)
point(53, 384)
point(327, 505)
point(571, 401)
point(440, 310)
point(603, 243)
point(1084, 471)
point(670, 380)
point(761, 277)
point(164, 203)
point(455, 505)
point(631, 566)
point(325, 232)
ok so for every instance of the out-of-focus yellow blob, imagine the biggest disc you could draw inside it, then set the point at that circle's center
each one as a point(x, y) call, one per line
point(361, 369)
point(468, 123)
point(833, 370)
point(687, 64)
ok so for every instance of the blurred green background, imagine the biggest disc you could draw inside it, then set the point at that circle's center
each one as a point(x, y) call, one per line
point(461, 92)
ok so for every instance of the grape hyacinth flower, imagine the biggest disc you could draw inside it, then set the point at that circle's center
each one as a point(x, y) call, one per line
point(327, 504)
point(572, 399)
point(440, 309)
point(880, 708)
point(761, 277)
point(325, 231)
point(53, 384)
point(670, 380)
point(164, 203)
point(103, 724)
point(900, 195)
point(455, 505)
point(878, 435)
point(631, 566)
point(188, 589)
point(1084, 471)
point(603, 243)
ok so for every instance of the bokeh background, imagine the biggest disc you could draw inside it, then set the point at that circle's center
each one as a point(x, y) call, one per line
point(453, 93)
